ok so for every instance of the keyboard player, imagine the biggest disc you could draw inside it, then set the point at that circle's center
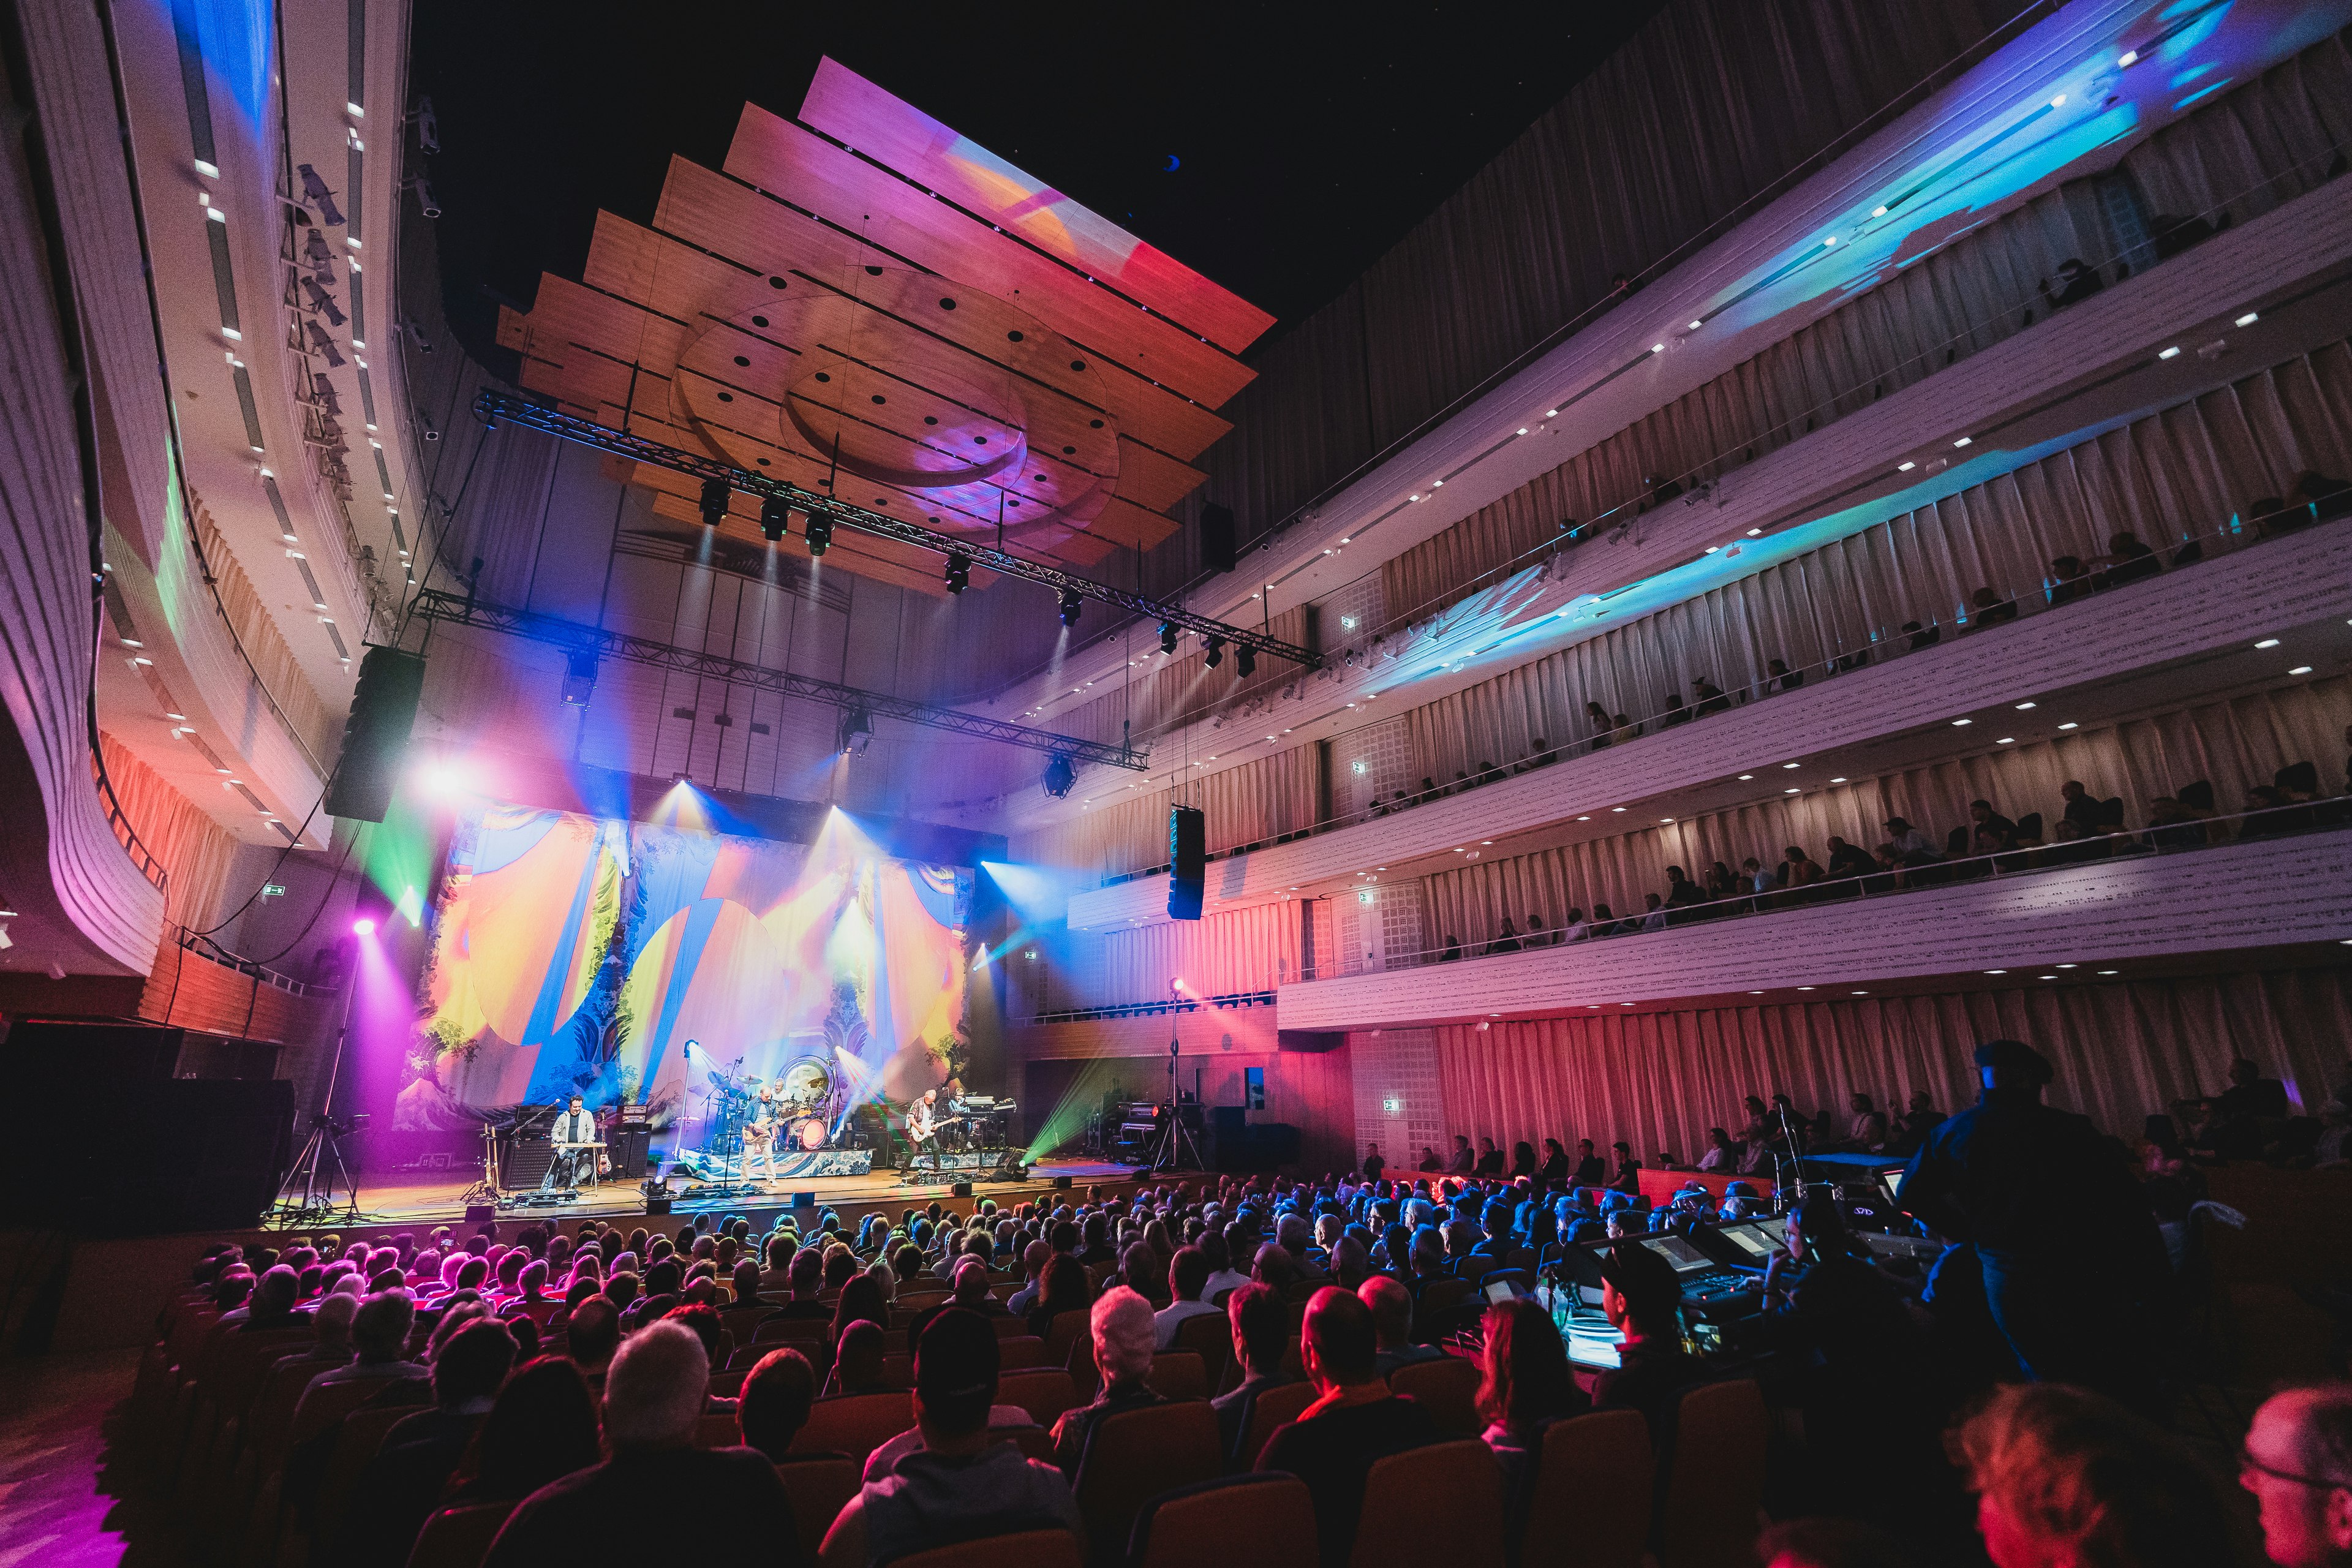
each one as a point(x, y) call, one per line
point(578, 1143)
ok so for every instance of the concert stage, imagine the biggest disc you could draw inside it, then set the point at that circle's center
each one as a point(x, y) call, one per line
point(420, 1200)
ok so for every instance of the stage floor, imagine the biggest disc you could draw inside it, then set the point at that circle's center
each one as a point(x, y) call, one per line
point(437, 1197)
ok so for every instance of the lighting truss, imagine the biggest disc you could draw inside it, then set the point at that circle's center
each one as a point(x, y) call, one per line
point(491, 408)
point(434, 605)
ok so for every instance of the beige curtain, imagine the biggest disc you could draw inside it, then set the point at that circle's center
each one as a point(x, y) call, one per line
point(2186, 469)
point(2235, 745)
point(2123, 1051)
point(2244, 152)
point(1183, 689)
point(1708, 105)
point(196, 852)
point(256, 632)
point(1255, 948)
point(1128, 830)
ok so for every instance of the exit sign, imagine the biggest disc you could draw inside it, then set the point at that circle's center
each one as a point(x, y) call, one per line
point(273, 889)
point(1393, 1106)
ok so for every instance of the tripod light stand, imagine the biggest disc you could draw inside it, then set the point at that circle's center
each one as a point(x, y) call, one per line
point(1173, 1150)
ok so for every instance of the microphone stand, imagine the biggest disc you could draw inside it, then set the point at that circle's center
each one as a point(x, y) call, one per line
point(1795, 1159)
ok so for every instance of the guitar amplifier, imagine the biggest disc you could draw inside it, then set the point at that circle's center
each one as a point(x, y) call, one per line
point(523, 1163)
point(632, 1147)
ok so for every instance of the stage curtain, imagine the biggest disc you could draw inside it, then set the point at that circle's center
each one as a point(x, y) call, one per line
point(2235, 745)
point(2123, 1051)
point(2185, 468)
point(2244, 152)
point(1700, 111)
point(196, 851)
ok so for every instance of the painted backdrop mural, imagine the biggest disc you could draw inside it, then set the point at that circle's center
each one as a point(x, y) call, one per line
point(573, 952)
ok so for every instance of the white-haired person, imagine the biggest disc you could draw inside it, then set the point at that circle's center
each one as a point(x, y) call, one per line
point(1124, 1339)
point(654, 1395)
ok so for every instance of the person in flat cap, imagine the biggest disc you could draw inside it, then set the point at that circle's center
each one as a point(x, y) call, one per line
point(2073, 1262)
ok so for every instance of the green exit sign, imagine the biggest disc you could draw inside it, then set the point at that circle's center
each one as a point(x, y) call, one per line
point(273, 889)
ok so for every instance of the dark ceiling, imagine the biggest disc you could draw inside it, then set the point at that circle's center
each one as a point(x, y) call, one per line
point(1306, 140)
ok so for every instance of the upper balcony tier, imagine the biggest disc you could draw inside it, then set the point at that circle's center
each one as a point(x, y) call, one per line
point(2144, 646)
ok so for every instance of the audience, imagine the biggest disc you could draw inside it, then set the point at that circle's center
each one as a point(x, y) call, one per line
point(1123, 1334)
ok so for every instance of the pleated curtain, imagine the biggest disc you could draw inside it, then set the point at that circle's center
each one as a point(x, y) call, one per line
point(196, 852)
point(2123, 1051)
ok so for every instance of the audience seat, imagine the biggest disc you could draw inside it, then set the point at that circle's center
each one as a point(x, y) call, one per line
point(855, 1423)
point(1592, 1497)
point(1016, 1352)
point(1035, 1442)
point(1210, 1337)
point(1044, 1391)
point(1439, 1504)
point(898, 1371)
point(356, 1441)
point(1272, 1410)
point(1008, 1327)
point(321, 1408)
point(1253, 1522)
point(1179, 1375)
point(1029, 1548)
point(717, 1429)
point(1136, 1454)
point(458, 1537)
point(1448, 1389)
point(1066, 1331)
point(1715, 1479)
point(793, 1329)
point(820, 1486)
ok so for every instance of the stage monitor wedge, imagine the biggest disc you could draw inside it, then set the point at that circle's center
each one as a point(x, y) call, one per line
point(1187, 862)
point(1217, 537)
point(375, 736)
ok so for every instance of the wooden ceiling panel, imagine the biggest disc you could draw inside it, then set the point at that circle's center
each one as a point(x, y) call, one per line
point(854, 112)
point(812, 174)
point(1123, 523)
point(707, 209)
point(1155, 480)
point(632, 262)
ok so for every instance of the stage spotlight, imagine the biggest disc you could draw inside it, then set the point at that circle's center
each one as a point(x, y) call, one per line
point(1059, 777)
point(578, 677)
point(1216, 653)
point(363, 926)
point(959, 570)
point(820, 533)
point(1072, 605)
point(774, 514)
point(1168, 637)
point(856, 731)
point(1245, 661)
point(714, 503)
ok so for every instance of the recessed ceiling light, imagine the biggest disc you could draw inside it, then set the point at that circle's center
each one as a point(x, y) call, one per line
point(1964, 441)
point(2045, 977)
point(1962, 724)
point(1878, 212)
point(1862, 994)
point(1696, 325)
point(1756, 994)
point(1840, 779)
point(1665, 819)
point(2070, 724)
point(2006, 740)
point(1996, 972)
point(2268, 642)
point(2130, 55)
point(2065, 966)
point(1616, 808)
point(2248, 319)
point(1793, 789)
point(1828, 241)
point(2024, 707)
point(1753, 532)
point(2111, 972)
point(1713, 548)
point(1905, 468)
point(1657, 348)
point(1552, 413)
point(2172, 352)
point(1584, 819)
point(2300, 669)
point(1486, 843)
point(1745, 777)
point(1787, 764)
point(1523, 429)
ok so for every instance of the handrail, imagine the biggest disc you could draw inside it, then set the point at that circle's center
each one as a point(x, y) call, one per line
point(205, 948)
point(1882, 645)
point(2331, 814)
point(119, 820)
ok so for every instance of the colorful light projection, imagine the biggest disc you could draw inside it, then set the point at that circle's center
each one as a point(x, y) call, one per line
point(576, 952)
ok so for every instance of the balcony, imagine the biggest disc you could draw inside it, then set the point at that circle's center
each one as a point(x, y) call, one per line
point(2141, 648)
point(2270, 900)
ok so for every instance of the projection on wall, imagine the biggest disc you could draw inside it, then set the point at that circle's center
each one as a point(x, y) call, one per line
point(573, 953)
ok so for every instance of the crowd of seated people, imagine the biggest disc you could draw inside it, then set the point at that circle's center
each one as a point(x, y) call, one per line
point(2084, 828)
point(591, 1396)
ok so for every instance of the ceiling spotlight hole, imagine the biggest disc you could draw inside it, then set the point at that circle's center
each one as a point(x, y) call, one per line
point(1094, 423)
point(880, 399)
point(1068, 450)
point(947, 304)
point(1077, 364)
point(931, 419)
point(872, 271)
point(743, 360)
point(758, 321)
point(824, 375)
point(1013, 336)
point(881, 500)
point(979, 440)
point(763, 462)
point(775, 282)
point(726, 398)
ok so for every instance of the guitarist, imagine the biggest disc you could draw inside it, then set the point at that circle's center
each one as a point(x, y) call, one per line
point(760, 1138)
point(923, 1128)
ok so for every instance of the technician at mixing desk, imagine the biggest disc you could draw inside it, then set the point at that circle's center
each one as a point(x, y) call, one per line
point(2072, 1258)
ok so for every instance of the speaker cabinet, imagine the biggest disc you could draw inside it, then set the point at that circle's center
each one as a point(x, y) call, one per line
point(1217, 537)
point(1188, 837)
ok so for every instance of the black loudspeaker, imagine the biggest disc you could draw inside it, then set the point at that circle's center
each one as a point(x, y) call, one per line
point(481, 1214)
point(803, 1200)
point(1061, 1184)
point(1187, 838)
point(1216, 538)
point(632, 1146)
point(526, 1163)
point(961, 1190)
point(375, 736)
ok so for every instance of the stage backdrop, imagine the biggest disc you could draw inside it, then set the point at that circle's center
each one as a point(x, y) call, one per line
point(573, 952)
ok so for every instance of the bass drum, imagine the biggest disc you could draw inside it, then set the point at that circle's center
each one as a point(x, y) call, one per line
point(808, 1133)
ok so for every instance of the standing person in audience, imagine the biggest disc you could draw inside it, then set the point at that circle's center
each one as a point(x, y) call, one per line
point(2296, 1460)
point(1353, 1421)
point(2065, 1477)
point(653, 1398)
point(1373, 1163)
point(1261, 1329)
point(2067, 1282)
point(1122, 1325)
point(1643, 1304)
point(1525, 1384)
point(964, 1483)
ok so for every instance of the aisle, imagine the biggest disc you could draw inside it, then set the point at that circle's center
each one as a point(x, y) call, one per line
point(56, 1504)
